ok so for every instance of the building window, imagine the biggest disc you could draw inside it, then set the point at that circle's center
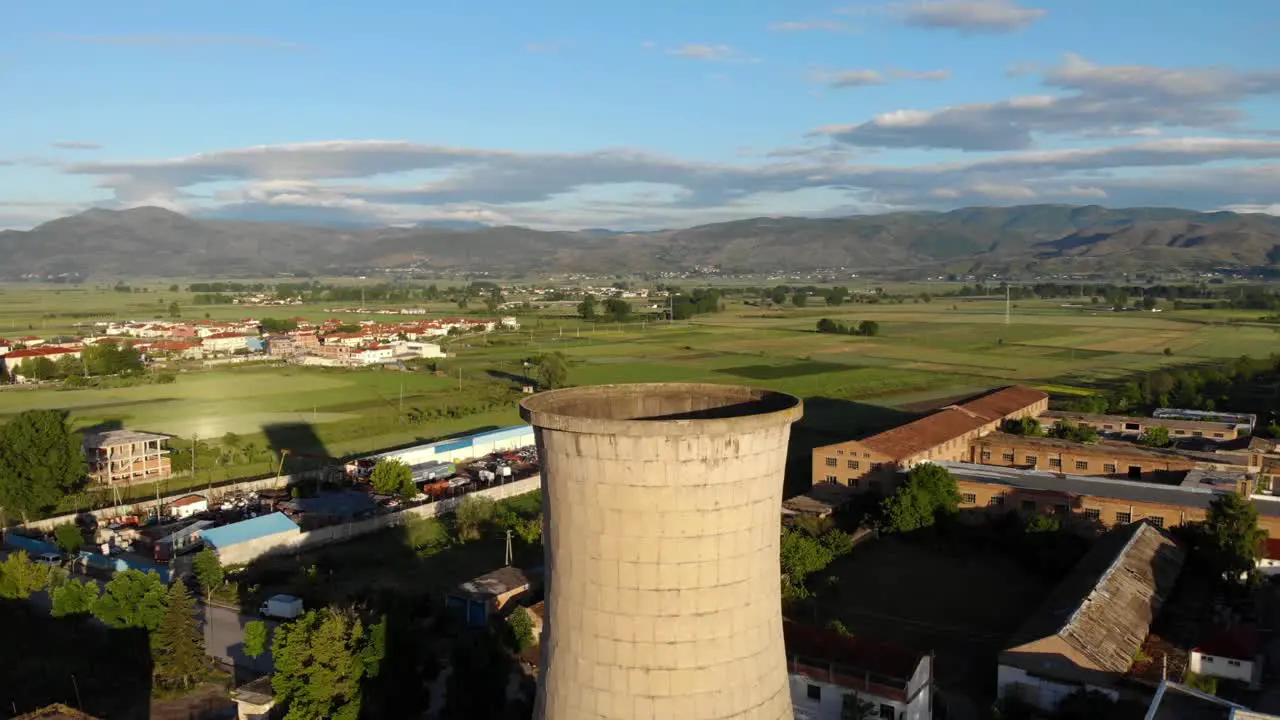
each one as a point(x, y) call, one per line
point(1028, 506)
point(1233, 663)
point(886, 712)
point(969, 499)
point(996, 501)
point(853, 482)
point(1179, 432)
point(1156, 520)
point(854, 464)
point(1197, 433)
point(832, 478)
point(831, 462)
point(1082, 464)
point(1206, 658)
point(875, 467)
point(1032, 459)
point(1109, 467)
point(1108, 427)
point(1123, 518)
point(1055, 462)
point(986, 455)
point(813, 692)
point(1093, 513)
point(1218, 435)
point(1007, 457)
point(1060, 510)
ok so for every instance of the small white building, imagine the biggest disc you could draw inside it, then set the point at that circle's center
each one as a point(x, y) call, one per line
point(224, 343)
point(417, 349)
point(375, 355)
point(509, 323)
point(830, 674)
point(188, 505)
point(1231, 653)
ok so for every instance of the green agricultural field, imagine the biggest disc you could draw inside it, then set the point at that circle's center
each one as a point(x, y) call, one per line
point(925, 353)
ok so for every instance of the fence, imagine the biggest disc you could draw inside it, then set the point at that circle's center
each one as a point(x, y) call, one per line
point(35, 547)
point(246, 552)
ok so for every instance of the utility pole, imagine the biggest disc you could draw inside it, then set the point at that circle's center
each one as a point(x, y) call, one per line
point(459, 379)
point(507, 561)
point(402, 397)
point(1006, 302)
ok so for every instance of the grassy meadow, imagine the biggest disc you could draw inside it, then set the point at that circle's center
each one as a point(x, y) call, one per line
point(925, 352)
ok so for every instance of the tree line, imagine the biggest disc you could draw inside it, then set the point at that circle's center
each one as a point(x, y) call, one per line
point(866, 328)
point(106, 358)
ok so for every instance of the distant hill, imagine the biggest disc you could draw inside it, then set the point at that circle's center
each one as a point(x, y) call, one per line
point(1037, 238)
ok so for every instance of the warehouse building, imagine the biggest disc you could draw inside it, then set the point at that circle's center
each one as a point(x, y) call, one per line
point(464, 448)
point(873, 463)
point(1093, 502)
point(243, 541)
point(1086, 634)
point(1111, 459)
point(1134, 427)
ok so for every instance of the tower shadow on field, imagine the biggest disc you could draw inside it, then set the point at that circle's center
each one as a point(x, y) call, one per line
point(298, 445)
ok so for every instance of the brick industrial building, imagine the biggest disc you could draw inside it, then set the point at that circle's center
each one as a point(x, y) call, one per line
point(1104, 458)
point(1134, 427)
point(873, 463)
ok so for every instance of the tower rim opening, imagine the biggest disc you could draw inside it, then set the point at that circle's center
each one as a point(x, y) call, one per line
point(660, 409)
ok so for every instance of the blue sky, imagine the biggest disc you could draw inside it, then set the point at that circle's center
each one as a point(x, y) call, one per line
point(569, 113)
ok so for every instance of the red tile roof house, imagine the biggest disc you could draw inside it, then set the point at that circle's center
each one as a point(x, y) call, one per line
point(14, 358)
point(1269, 563)
point(1231, 653)
point(828, 671)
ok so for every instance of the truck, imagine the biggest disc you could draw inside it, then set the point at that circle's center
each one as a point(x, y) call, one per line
point(281, 607)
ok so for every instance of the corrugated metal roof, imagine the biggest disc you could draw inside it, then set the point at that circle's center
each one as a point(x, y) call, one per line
point(247, 530)
point(503, 433)
point(450, 446)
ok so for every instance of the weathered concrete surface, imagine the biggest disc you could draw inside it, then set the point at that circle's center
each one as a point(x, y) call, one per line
point(661, 534)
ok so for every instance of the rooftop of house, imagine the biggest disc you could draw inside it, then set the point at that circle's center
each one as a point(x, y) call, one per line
point(1171, 423)
point(952, 422)
point(1104, 447)
point(1178, 702)
point(57, 711)
point(495, 583)
point(255, 692)
point(813, 643)
point(1238, 642)
point(822, 499)
point(111, 438)
point(1103, 609)
point(39, 352)
point(188, 500)
point(1099, 486)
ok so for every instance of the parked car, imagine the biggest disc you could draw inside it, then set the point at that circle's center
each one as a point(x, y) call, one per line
point(281, 607)
point(49, 558)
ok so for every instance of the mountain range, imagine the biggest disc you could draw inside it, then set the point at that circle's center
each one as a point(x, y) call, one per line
point(150, 241)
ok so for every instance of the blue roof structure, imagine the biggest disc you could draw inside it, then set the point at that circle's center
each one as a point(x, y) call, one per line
point(502, 433)
point(246, 530)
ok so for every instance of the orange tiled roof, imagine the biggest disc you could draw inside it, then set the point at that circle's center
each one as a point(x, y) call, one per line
point(952, 422)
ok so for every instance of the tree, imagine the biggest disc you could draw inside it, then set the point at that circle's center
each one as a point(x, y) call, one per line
point(617, 310)
point(1156, 437)
point(38, 368)
point(869, 328)
point(41, 461)
point(393, 477)
point(826, 325)
point(1028, 426)
point(68, 538)
point(74, 598)
point(778, 295)
point(521, 624)
point(321, 661)
point(799, 298)
point(177, 647)
point(1067, 430)
point(19, 577)
point(552, 371)
point(207, 567)
point(132, 599)
point(837, 295)
point(801, 555)
point(929, 492)
point(472, 515)
point(277, 325)
point(1235, 542)
point(853, 707)
point(587, 308)
point(174, 310)
point(255, 638)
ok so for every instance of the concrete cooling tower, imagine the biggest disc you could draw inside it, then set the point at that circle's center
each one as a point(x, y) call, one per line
point(662, 507)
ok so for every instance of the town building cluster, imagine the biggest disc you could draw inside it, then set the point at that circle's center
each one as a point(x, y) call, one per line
point(331, 342)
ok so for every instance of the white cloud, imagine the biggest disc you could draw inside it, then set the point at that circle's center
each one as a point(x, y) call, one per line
point(1109, 100)
point(76, 145)
point(812, 25)
point(929, 75)
point(971, 16)
point(182, 41)
point(710, 53)
point(848, 78)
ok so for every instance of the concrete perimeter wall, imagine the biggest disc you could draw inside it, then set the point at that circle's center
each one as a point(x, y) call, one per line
point(141, 507)
point(291, 541)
